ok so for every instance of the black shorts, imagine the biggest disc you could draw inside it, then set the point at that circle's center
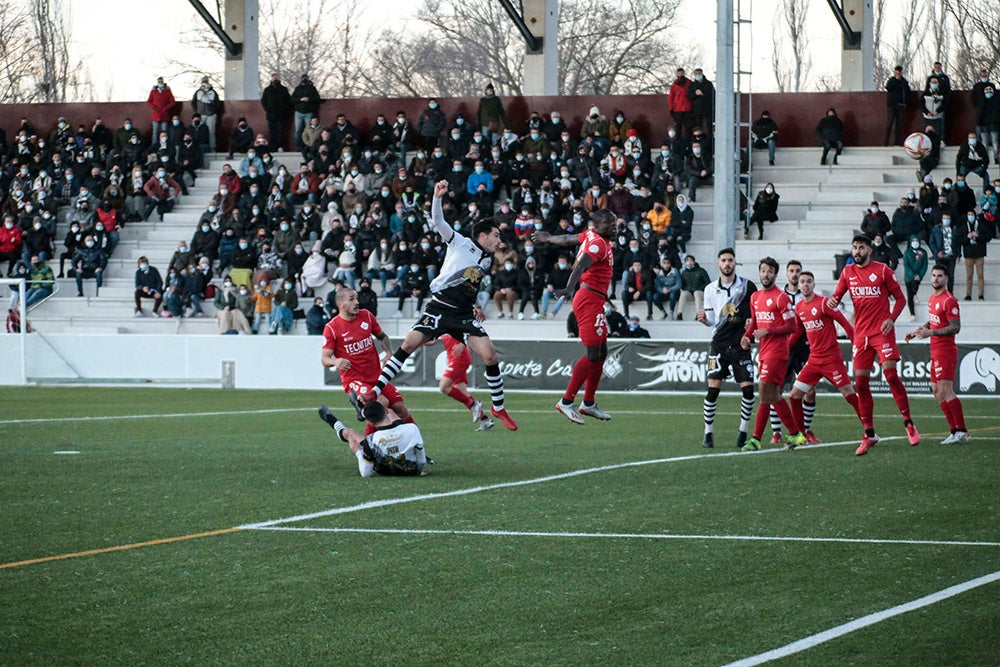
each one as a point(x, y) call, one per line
point(437, 320)
point(798, 355)
point(729, 359)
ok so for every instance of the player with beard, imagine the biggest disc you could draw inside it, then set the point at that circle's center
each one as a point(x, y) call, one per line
point(943, 323)
point(452, 308)
point(727, 309)
point(349, 347)
point(771, 322)
point(871, 284)
point(593, 270)
point(816, 320)
point(798, 354)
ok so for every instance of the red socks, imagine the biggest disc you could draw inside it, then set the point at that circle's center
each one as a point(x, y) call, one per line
point(461, 397)
point(797, 413)
point(593, 380)
point(898, 392)
point(787, 418)
point(581, 373)
point(855, 403)
point(954, 413)
point(763, 416)
point(865, 401)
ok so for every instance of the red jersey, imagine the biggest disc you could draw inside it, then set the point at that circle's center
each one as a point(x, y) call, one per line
point(771, 308)
point(352, 339)
point(818, 319)
point(942, 311)
point(870, 287)
point(598, 275)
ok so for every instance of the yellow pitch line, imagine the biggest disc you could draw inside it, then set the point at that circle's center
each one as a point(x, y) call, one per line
point(123, 547)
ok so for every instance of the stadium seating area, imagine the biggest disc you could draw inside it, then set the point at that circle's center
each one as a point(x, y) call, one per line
point(820, 207)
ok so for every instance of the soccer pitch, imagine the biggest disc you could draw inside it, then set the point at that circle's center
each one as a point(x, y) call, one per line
point(248, 537)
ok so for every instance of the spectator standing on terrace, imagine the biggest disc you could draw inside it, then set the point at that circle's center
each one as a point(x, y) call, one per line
point(160, 102)
point(431, 124)
point(944, 85)
point(305, 100)
point(975, 234)
point(701, 92)
point(945, 246)
point(934, 105)
point(988, 120)
point(830, 131)
point(679, 103)
point(897, 95)
point(206, 103)
point(491, 115)
point(914, 269)
point(276, 102)
point(765, 134)
point(11, 242)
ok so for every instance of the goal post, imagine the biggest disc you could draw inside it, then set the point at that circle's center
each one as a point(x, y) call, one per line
point(20, 286)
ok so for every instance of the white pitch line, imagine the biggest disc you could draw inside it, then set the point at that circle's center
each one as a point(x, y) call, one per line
point(525, 482)
point(865, 621)
point(641, 536)
point(223, 413)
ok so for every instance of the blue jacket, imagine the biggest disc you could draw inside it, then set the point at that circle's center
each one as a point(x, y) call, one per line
point(472, 184)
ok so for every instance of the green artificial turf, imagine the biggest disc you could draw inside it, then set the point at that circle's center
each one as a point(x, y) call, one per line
point(572, 569)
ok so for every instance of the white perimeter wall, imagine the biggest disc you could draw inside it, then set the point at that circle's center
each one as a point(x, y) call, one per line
point(262, 362)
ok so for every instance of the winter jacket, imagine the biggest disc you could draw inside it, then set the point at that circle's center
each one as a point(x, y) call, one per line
point(678, 99)
point(914, 261)
point(161, 103)
point(276, 101)
point(694, 279)
point(205, 102)
point(149, 278)
point(307, 90)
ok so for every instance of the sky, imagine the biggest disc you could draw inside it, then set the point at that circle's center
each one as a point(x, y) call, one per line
point(124, 60)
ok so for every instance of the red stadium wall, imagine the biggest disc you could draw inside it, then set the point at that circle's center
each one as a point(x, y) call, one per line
point(796, 113)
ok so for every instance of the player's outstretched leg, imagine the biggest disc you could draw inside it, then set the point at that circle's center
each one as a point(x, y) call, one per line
point(327, 416)
point(495, 382)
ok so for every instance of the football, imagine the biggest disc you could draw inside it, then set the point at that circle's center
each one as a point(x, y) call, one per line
point(917, 145)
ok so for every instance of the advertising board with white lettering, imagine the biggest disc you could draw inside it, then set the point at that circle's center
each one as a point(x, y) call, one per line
point(634, 365)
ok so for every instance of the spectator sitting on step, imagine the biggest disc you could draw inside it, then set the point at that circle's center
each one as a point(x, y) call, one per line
point(634, 329)
point(148, 285)
point(681, 223)
point(41, 281)
point(263, 298)
point(243, 262)
point(875, 222)
point(764, 133)
point(699, 169)
point(317, 317)
point(313, 273)
point(36, 241)
point(883, 252)
point(162, 192)
point(241, 138)
point(906, 222)
point(232, 305)
point(694, 280)
point(74, 239)
point(765, 209)
point(416, 285)
point(367, 298)
point(89, 262)
point(20, 270)
point(830, 131)
point(973, 159)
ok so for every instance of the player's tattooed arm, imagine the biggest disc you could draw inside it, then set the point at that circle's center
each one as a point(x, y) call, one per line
point(565, 240)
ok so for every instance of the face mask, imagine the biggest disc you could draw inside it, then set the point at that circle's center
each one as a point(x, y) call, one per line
point(915, 244)
point(288, 286)
point(671, 134)
point(212, 208)
point(970, 218)
point(263, 284)
point(989, 96)
point(402, 246)
point(425, 246)
point(539, 226)
point(472, 208)
point(529, 249)
point(415, 268)
point(647, 226)
point(945, 222)
point(205, 228)
point(99, 228)
point(307, 209)
point(457, 169)
point(947, 186)
point(161, 174)
point(508, 266)
point(69, 177)
point(495, 154)
point(89, 244)
point(183, 248)
point(243, 246)
point(479, 170)
point(377, 171)
point(243, 292)
point(411, 218)
point(637, 172)
point(696, 151)
point(284, 227)
point(255, 210)
point(768, 190)
point(972, 142)
point(873, 209)
point(934, 86)
point(432, 105)
point(960, 184)
point(421, 156)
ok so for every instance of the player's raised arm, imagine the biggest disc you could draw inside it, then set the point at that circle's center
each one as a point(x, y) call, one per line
point(565, 240)
point(437, 212)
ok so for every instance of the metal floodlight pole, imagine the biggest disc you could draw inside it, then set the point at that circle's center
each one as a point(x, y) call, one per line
point(726, 172)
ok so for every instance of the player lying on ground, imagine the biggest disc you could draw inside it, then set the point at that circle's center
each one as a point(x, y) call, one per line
point(393, 448)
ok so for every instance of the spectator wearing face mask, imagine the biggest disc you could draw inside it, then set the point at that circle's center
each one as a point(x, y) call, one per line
point(764, 133)
point(431, 124)
point(906, 222)
point(914, 268)
point(241, 138)
point(934, 104)
point(263, 300)
point(975, 233)
point(961, 198)
point(681, 222)
point(765, 209)
point(11, 243)
point(946, 246)
point(231, 303)
point(148, 285)
point(830, 131)
point(875, 222)
point(694, 280)
point(413, 285)
point(89, 262)
point(531, 282)
point(973, 159)
point(243, 262)
point(162, 192)
point(699, 169)
point(490, 114)
point(286, 302)
point(161, 103)
point(701, 92)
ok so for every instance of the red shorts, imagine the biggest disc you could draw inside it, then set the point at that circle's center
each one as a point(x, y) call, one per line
point(866, 349)
point(458, 367)
point(835, 371)
point(943, 365)
point(361, 388)
point(589, 309)
point(772, 370)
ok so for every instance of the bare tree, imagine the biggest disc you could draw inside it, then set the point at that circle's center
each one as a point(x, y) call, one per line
point(978, 36)
point(791, 76)
point(17, 56)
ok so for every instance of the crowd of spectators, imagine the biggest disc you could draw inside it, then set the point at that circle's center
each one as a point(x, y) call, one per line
point(355, 211)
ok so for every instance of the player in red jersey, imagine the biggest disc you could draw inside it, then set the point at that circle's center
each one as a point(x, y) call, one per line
point(870, 285)
point(943, 323)
point(455, 380)
point(816, 319)
point(593, 270)
point(349, 347)
point(771, 322)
